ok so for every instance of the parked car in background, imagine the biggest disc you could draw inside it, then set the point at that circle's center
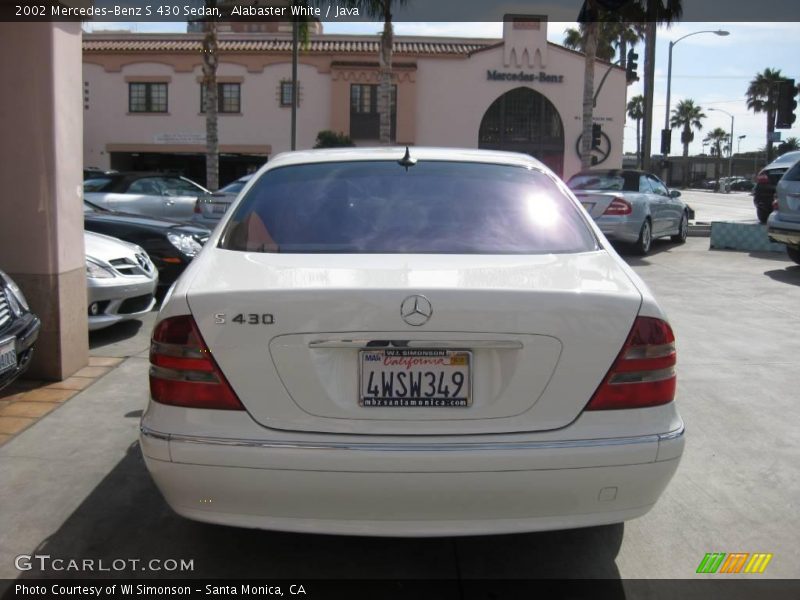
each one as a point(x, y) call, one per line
point(19, 328)
point(171, 245)
point(121, 280)
point(152, 194)
point(766, 181)
point(783, 225)
point(436, 344)
point(209, 209)
point(632, 206)
point(741, 184)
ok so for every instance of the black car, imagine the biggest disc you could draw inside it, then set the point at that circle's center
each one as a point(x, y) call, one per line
point(767, 180)
point(170, 244)
point(19, 328)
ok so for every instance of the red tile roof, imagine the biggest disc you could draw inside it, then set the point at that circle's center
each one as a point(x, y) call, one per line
point(318, 45)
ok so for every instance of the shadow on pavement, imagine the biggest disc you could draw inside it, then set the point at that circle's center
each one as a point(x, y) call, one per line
point(113, 334)
point(126, 517)
point(636, 260)
point(789, 275)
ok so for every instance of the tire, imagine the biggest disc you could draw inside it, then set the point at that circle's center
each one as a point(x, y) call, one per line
point(794, 254)
point(683, 230)
point(763, 213)
point(642, 245)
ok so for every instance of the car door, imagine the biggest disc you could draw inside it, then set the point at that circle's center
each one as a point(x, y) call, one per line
point(180, 197)
point(144, 196)
point(659, 207)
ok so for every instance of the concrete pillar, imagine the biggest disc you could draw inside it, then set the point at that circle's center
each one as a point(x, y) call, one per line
point(41, 213)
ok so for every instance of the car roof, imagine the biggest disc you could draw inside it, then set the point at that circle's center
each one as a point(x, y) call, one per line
point(623, 172)
point(789, 157)
point(397, 152)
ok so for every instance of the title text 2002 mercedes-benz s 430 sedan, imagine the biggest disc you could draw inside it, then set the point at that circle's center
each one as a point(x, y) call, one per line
point(436, 344)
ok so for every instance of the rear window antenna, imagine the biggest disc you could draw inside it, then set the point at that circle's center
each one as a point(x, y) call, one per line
point(407, 161)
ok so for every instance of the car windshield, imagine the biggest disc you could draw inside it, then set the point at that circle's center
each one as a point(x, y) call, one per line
point(617, 182)
point(96, 184)
point(234, 187)
point(379, 207)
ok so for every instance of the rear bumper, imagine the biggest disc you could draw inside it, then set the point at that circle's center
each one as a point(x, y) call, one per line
point(783, 232)
point(416, 488)
point(622, 229)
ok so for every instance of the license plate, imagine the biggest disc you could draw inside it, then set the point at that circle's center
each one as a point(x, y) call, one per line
point(219, 208)
point(8, 355)
point(415, 378)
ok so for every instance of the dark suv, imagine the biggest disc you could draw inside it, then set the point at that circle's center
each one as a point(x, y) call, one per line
point(19, 328)
point(767, 179)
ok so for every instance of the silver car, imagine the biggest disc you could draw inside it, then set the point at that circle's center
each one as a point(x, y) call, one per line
point(630, 206)
point(153, 194)
point(121, 280)
point(783, 225)
point(209, 209)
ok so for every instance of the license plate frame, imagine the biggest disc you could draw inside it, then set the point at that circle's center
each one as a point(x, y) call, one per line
point(455, 360)
point(8, 355)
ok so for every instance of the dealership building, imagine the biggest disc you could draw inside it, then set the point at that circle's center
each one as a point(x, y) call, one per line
point(143, 97)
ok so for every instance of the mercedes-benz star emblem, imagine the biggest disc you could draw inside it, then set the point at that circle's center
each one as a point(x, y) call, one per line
point(416, 310)
point(142, 262)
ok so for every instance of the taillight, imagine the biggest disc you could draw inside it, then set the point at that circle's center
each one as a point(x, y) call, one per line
point(197, 209)
point(762, 178)
point(644, 372)
point(182, 370)
point(618, 206)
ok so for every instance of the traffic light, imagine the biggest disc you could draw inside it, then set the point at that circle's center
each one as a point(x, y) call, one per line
point(666, 141)
point(630, 70)
point(786, 104)
point(596, 131)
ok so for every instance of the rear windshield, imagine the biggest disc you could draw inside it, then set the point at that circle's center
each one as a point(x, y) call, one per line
point(233, 188)
point(380, 207)
point(793, 174)
point(616, 182)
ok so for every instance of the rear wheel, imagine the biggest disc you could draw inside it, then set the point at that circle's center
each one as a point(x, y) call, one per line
point(642, 245)
point(794, 254)
point(763, 213)
point(683, 230)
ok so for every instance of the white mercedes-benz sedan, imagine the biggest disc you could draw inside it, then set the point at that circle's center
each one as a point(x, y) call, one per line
point(410, 343)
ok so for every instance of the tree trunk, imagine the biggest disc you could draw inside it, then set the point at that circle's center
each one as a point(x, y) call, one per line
point(649, 77)
point(385, 81)
point(590, 50)
point(210, 59)
point(623, 52)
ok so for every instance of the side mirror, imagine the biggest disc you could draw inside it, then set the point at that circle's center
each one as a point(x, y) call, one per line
point(674, 194)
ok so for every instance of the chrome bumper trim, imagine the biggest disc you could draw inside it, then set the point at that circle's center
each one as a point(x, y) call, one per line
point(411, 447)
point(460, 344)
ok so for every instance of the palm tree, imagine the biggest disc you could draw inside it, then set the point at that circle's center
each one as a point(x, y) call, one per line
point(210, 62)
point(689, 116)
point(382, 9)
point(575, 39)
point(762, 97)
point(590, 38)
point(789, 145)
point(653, 13)
point(636, 112)
point(717, 138)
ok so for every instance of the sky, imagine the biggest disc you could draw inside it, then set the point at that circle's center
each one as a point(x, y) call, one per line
point(713, 71)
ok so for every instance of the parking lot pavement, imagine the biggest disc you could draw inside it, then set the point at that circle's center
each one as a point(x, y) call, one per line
point(75, 484)
point(712, 206)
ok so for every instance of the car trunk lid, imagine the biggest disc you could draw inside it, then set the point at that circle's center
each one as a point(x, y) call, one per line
point(540, 331)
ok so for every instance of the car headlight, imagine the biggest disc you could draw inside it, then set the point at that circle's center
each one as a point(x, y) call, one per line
point(185, 243)
point(16, 297)
point(96, 271)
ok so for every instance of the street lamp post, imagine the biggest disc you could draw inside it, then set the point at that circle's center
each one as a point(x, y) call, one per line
point(730, 142)
point(720, 32)
point(739, 144)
